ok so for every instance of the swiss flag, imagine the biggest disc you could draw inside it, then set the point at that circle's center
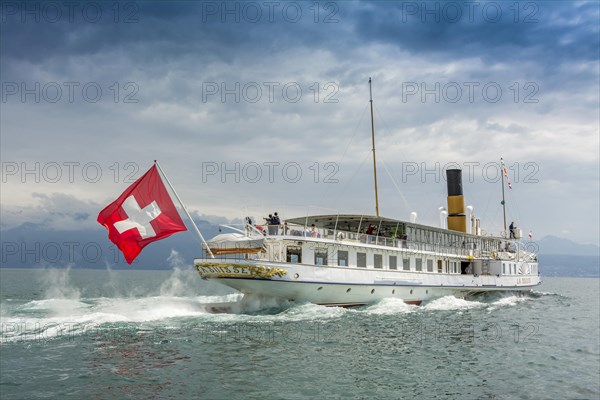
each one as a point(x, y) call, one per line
point(143, 214)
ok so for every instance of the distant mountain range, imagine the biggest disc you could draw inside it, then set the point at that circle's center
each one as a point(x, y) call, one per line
point(563, 257)
point(556, 245)
point(35, 246)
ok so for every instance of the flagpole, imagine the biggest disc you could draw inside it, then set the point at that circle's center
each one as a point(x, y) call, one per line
point(373, 142)
point(503, 201)
point(184, 209)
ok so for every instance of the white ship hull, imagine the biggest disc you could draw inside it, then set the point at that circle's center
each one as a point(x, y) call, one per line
point(351, 259)
point(335, 286)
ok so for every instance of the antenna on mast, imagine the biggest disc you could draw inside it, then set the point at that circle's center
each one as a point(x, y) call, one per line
point(373, 142)
point(503, 200)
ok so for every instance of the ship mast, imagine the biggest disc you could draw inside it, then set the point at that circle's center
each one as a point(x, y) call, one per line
point(503, 201)
point(374, 159)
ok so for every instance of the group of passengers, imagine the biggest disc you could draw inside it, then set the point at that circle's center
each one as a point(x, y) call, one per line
point(273, 219)
point(272, 223)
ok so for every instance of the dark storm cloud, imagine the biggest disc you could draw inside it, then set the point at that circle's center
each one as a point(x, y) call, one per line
point(494, 30)
point(171, 49)
point(171, 29)
point(160, 34)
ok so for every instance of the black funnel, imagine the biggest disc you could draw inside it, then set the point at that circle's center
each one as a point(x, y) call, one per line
point(454, 179)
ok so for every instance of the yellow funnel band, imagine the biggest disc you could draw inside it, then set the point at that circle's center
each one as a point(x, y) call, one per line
point(456, 205)
point(457, 223)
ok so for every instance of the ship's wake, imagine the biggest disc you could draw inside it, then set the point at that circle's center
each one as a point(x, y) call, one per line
point(66, 310)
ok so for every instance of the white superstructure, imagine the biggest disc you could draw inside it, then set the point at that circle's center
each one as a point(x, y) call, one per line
point(332, 260)
point(357, 259)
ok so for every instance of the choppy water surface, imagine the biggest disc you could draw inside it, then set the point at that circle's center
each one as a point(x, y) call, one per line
point(149, 334)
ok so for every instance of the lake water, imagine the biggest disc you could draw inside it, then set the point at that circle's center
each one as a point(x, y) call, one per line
point(74, 334)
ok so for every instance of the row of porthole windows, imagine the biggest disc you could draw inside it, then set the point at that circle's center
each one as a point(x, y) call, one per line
point(373, 290)
point(511, 270)
point(430, 237)
point(294, 255)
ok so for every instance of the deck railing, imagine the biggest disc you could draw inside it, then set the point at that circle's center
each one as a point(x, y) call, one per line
point(355, 238)
point(342, 236)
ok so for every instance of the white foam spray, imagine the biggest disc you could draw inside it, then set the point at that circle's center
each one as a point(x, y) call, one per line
point(390, 306)
point(178, 284)
point(57, 284)
point(449, 303)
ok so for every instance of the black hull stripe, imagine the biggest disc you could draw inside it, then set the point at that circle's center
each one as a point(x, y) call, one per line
point(388, 284)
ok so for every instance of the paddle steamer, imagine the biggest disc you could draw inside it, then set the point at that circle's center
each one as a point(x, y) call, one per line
point(348, 260)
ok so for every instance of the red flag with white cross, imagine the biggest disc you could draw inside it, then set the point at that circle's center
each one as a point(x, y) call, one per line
point(143, 214)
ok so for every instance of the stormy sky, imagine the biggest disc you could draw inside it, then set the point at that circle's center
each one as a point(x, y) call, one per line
point(254, 107)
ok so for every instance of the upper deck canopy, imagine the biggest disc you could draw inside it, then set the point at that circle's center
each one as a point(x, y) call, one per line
point(396, 229)
point(348, 222)
point(354, 223)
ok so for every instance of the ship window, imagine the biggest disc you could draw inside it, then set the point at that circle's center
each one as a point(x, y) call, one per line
point(361, 260)
point(429, 265)
point(342, 258)
point(418, 264)
point(294, 254)
point(320, 257)
point(406, 264)
point(378, 261)
point(393, 262)
point(440, 268)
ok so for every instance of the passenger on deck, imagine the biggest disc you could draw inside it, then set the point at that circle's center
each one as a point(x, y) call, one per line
point(370, 229)
point(512, 228)
point(247, 225)
point(313, 231)
point(271, 227)
point(361, 236)
point(469, 269)
point(275, 219)
point(285, 228)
